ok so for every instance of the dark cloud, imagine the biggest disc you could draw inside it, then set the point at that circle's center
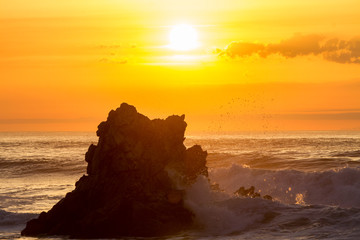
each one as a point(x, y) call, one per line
point(334, 49)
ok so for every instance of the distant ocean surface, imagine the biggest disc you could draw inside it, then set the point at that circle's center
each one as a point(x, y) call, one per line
point(313, 177)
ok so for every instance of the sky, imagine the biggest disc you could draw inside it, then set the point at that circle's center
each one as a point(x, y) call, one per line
point(258, 65)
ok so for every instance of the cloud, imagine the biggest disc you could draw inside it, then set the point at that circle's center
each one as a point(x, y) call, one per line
point(342, 51)
point(116, 61)
point(334, 49)
point(298, 45)
point(241, 49)
point(117, 53)
point(117, 46)
point(113, 46)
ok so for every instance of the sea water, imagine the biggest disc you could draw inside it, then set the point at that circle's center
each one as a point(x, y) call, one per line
point(313, 178)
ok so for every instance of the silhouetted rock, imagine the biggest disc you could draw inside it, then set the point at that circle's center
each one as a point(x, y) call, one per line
point(246, 192)
point(250, 192)
point(268, 197)
point(136, 176)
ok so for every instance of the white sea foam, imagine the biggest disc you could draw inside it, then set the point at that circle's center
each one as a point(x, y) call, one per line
point(313, 179)
point(10, 218)
point(339, 187)
point(221, 213)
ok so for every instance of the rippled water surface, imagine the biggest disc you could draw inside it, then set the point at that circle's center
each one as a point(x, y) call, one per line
point(313, 177)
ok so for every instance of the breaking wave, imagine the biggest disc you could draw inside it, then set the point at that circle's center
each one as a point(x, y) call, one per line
point(221, 213)
point(337, 187)
point(11, 218)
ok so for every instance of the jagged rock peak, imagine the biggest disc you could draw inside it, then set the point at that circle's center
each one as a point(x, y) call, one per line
point(135, 182)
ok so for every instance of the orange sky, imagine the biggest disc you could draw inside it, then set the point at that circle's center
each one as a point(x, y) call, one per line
point(260, 66)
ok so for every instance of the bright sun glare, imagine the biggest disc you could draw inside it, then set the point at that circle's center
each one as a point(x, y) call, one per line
point(183, 37)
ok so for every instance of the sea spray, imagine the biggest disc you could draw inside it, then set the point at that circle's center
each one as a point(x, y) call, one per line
point(332, 160)
point(337, 187)
point(219, 213)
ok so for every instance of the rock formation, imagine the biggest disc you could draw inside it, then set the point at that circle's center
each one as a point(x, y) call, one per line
point(250, 192)
point(135, 182)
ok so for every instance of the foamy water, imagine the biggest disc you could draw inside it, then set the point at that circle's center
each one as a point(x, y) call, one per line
point(314, 179)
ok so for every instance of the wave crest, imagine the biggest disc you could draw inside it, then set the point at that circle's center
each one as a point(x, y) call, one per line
point(339, 187)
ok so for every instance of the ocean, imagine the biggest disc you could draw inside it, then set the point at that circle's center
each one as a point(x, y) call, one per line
point(312, 177)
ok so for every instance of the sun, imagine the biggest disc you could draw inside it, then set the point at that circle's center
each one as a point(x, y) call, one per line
point(183, 37)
